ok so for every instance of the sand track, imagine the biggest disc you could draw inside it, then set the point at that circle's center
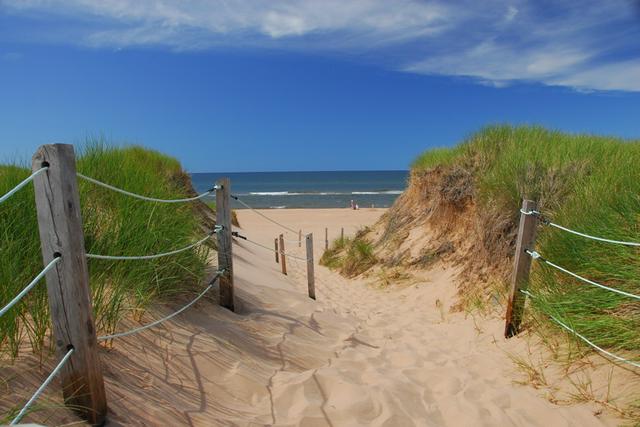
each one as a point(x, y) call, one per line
point(358, 356)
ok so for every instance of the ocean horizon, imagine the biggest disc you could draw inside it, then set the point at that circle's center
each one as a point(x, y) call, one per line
point(310, 189)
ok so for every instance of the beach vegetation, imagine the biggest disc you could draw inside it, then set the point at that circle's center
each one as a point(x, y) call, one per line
point(585, 182)
point(114, 224)
point(350, 257)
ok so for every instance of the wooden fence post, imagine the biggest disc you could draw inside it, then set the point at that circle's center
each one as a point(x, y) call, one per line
point(326, 239)
point(73, 325)
point(311, 280)
point(299, 238)
point(521, 267)
point(342, 234)
point(275, 243)
point(225, 257)
point(283, 258)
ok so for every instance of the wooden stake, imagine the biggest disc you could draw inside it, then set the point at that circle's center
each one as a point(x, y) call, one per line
point(342, 234)
point(275, 243)
point(283, 258)
point(311, 280)
point(299, 238)
point(60, 226)
point(521, 267)
point(225, 257)
point(326, 239)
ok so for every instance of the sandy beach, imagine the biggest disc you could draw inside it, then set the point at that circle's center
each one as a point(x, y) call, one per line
point(358, 356)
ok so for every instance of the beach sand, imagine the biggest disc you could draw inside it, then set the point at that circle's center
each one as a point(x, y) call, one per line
point(358, 356)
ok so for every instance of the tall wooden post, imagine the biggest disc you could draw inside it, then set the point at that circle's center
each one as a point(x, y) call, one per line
point(521, 267)
point(299, 238)
point(225, 257)
point(311, 280)
point(283, 258)
point(275, 244)
point(326, 239)
point(60, 226)
point(342, 234)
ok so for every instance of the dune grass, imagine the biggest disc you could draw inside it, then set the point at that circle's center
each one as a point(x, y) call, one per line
point(350, 256)
point(584, 182)
point(114, 224)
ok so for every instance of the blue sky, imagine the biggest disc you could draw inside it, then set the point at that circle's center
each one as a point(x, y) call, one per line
point(307, 84)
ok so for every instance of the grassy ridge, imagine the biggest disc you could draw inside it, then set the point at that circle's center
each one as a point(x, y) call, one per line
point(584, 182)
point(114, 224)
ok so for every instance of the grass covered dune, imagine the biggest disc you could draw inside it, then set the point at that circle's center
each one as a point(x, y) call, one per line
point(470, 196)
point(114, 224)
point(585, 182)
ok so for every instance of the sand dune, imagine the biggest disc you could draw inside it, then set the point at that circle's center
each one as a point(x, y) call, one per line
point(358, 356)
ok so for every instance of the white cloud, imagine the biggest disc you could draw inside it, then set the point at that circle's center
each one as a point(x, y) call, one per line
point(618, 76)
point(499, 42)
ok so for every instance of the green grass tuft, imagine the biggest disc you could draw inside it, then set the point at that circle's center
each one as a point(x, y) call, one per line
point(114, 224)
point(350, 256)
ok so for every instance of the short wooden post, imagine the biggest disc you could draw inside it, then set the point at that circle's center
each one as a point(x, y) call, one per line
point(521, 267)
point(60, 226)
point(225, 257)
point(299, 238)
point(326, 239)
point(283, 258)
point(311, 280)
point(275, 244)
point(342, 234)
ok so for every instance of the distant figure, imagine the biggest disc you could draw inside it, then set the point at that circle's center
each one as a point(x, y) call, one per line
point(353, 206)
point(356, 207)
point(373, 206)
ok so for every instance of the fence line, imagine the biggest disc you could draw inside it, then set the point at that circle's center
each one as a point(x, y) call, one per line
point(535, 255)
point(40, 389)
point(271, 249)
point(27, 180)
point(61, 236)
point(138, 196)
point(577, 233)
point(159, 321)
point(30, 286)
point(147, 257)
point(583, 338)
point(528, 210)
point(263, 215)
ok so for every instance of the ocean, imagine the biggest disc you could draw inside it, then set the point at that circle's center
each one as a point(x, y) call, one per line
point(286, 190)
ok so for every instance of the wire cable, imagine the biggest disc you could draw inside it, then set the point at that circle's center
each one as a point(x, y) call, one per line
point(287, 254)
point(149, 199)
point(535, 255)
point(577, 233)
point(263, 215)
point(17, 188)
point(586, 340)
point(146, 257)
point(157, 322)
point(40, 389)
point(29, 286)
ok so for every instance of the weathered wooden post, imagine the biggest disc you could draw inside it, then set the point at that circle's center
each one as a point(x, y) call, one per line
point(521, 267)
point(60, 226)
point(225, 257)
point(311, 280)
point(299, 238)
point(341, 234)
point(275, 243)
point(283, 258)
point(326, 238)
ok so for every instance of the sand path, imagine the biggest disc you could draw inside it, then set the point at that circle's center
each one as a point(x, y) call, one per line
point(357, 356)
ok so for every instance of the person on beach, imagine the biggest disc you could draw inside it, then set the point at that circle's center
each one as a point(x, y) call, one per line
point(352, 205)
